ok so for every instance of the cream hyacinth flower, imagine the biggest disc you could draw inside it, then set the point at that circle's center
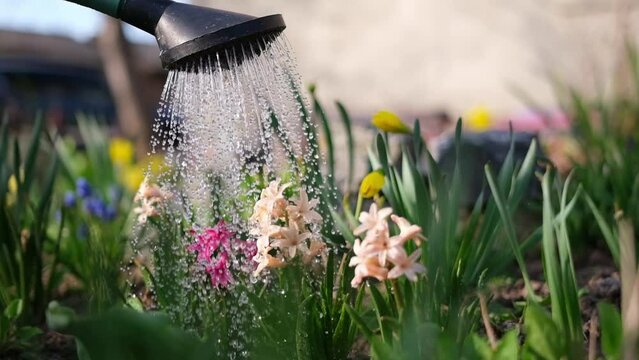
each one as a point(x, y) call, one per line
point(372, 219)
point(369, 268)
point(303, 211)
point(407, 230)
point(405, 265)
point(267, 261)
point(316, 248)
point(144, 212)
point(272, 203)
point(264, 232)
point(291, 239)
point(149, 196)
point(381, 256)
point(280, 228)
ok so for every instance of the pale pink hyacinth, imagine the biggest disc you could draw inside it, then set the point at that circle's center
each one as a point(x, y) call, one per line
point(303, 211)
point(149, 197)
point(405, 265)
point(372, 219)
point(282, 229)
point(380, 255)
point(272, 203)
point(291, 238)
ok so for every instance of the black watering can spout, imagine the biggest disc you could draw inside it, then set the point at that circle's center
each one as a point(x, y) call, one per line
point(187, 32)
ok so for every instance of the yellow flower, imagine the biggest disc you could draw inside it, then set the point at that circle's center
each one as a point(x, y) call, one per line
point(479, 119)
point(372, 184)
point(132, 176)
point(121, 151)
point(13, 184)
point(12, 187)
point(389, 122)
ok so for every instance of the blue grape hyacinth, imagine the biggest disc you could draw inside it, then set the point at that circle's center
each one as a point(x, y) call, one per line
point(83, 188)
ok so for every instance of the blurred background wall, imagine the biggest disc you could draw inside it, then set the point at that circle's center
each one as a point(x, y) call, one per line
point(413, 57)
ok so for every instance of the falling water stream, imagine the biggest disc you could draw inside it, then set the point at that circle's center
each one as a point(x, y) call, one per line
point(226, 128)
point(223, 122)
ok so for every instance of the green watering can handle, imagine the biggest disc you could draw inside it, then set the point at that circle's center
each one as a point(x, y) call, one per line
point(108, 7)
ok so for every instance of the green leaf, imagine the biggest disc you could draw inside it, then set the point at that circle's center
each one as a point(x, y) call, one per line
point(30, 162)
point(346, 120)
point(82, 352)
point(611, 331)
point(341, 339)
point(342, 227)
point(303, 335)
point(611, 239)
point(126, 334)
point(543, 339)
point(383, 310)
point(330, 161)
point(418, 142)
point(475, 347)
point(26, 333)
point(4, 328)
point(14, 309)
point(505, 214)
point(135, 303)
point(381, 350)
point(361, 324)
point(508, 347)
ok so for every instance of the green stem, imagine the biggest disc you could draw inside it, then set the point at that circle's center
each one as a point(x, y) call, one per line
point(398, 295)
point(358, 208)
point(56, 256)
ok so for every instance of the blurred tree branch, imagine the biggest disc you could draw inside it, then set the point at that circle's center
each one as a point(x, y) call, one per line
point(116, 61)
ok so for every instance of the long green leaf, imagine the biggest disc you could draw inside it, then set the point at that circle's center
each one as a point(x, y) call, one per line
point(510, 230)
point(609, 237)
point(346, 120)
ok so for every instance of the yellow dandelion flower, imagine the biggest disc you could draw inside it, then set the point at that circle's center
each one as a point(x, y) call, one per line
point(372, 184)
point(121, 151)
point(479, 119)
point(389, 122)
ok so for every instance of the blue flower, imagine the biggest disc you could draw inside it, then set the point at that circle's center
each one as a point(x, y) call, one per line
point(83, 188)
point(110, 213)
point(96, 207)
point(69, 199)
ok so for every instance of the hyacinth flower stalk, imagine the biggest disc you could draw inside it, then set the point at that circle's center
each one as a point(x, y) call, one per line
point(380, 255)
point(285, 228)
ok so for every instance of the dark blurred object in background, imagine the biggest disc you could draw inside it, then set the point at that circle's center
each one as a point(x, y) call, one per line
point(60, 78)
point(477, 149)
point(59, 91)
